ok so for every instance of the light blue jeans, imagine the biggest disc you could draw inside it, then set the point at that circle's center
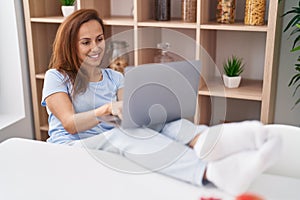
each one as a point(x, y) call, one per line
point(165, 152)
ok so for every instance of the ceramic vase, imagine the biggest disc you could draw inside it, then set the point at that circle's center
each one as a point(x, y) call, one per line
point(232, 82)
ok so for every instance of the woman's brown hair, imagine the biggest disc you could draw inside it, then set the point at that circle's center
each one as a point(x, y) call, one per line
point(64, 57)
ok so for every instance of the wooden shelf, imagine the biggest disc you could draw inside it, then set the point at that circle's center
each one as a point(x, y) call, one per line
point(40, 76)
point(50, 19)
point(44, 128)
point(119, 21)
point(238, 26)
point(168, 24)
point(248, 90)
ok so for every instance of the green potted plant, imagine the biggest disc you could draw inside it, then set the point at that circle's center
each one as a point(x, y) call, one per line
point(294, 27)
point(67, 7)
point(233, 68)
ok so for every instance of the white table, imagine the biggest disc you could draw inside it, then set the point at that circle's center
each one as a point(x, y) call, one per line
point(33, 170)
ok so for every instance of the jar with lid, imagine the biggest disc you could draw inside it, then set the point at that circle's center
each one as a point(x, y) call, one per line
point(162, 10)
point(225, 11)
point(119, 58)
point(188, 10)
point(163, 55)
point(255, 12)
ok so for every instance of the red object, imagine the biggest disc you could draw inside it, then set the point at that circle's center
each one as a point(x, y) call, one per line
point(209, 198)
point(249, 197)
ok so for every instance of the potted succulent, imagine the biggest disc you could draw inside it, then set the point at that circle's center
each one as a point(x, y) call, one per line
point(67, 7)
point(233, 68)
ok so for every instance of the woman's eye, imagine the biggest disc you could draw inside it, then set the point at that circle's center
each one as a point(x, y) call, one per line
point(100, 39)
point(85, 43)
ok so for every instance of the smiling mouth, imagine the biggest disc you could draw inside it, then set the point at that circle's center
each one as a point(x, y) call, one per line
point(94, 56)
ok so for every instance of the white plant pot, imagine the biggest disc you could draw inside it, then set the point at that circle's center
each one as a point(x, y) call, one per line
point(67, 10)
point(232, 82)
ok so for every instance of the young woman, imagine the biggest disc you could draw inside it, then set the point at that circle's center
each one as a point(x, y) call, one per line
point(79, 90)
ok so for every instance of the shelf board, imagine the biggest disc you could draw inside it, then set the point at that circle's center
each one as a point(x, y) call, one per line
point(238, 26)
point(44, 127)
point(168, 24)
point(115, 20)
point(50, 19)
point(118, 21)
point(248, 90)
point(40, 76)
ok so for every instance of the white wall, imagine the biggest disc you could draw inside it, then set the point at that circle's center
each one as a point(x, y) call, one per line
point(12, 103)
point(15, 107)
point(284, 114)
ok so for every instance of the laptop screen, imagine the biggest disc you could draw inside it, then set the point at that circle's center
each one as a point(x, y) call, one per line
point(157, 93)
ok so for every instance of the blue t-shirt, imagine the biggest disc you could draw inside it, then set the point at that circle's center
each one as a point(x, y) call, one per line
point(96, 95)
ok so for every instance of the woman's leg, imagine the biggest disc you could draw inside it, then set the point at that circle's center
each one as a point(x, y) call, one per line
point(235, 173)
point(183, 131)
point(217, 142)
point(222, 140)
point(151, 150)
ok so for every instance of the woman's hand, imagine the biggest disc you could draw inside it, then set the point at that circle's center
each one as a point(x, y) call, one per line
point(117, 108)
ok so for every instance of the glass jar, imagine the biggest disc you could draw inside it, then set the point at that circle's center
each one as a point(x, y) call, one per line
point(163, 55)
point(188, 10)
point(162, 10)
point(255, 12)
point(119, 58)
point(226, 11)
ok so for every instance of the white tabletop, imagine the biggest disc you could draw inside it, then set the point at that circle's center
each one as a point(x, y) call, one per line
point(34, 170)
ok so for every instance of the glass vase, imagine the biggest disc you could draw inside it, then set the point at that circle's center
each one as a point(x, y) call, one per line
point(163, 55)
point(119, 58)
point(162, 10)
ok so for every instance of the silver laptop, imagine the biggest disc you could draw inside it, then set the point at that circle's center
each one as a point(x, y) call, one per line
point(157, 93)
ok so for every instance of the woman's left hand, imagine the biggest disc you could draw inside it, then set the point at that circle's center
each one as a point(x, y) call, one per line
point(117, 108)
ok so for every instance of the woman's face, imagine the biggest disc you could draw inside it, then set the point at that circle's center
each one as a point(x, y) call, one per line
point(91, 44)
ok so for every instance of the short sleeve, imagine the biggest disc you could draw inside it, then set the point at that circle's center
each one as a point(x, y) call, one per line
point(54, 82)
point(116, 77)
point(120, 79)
